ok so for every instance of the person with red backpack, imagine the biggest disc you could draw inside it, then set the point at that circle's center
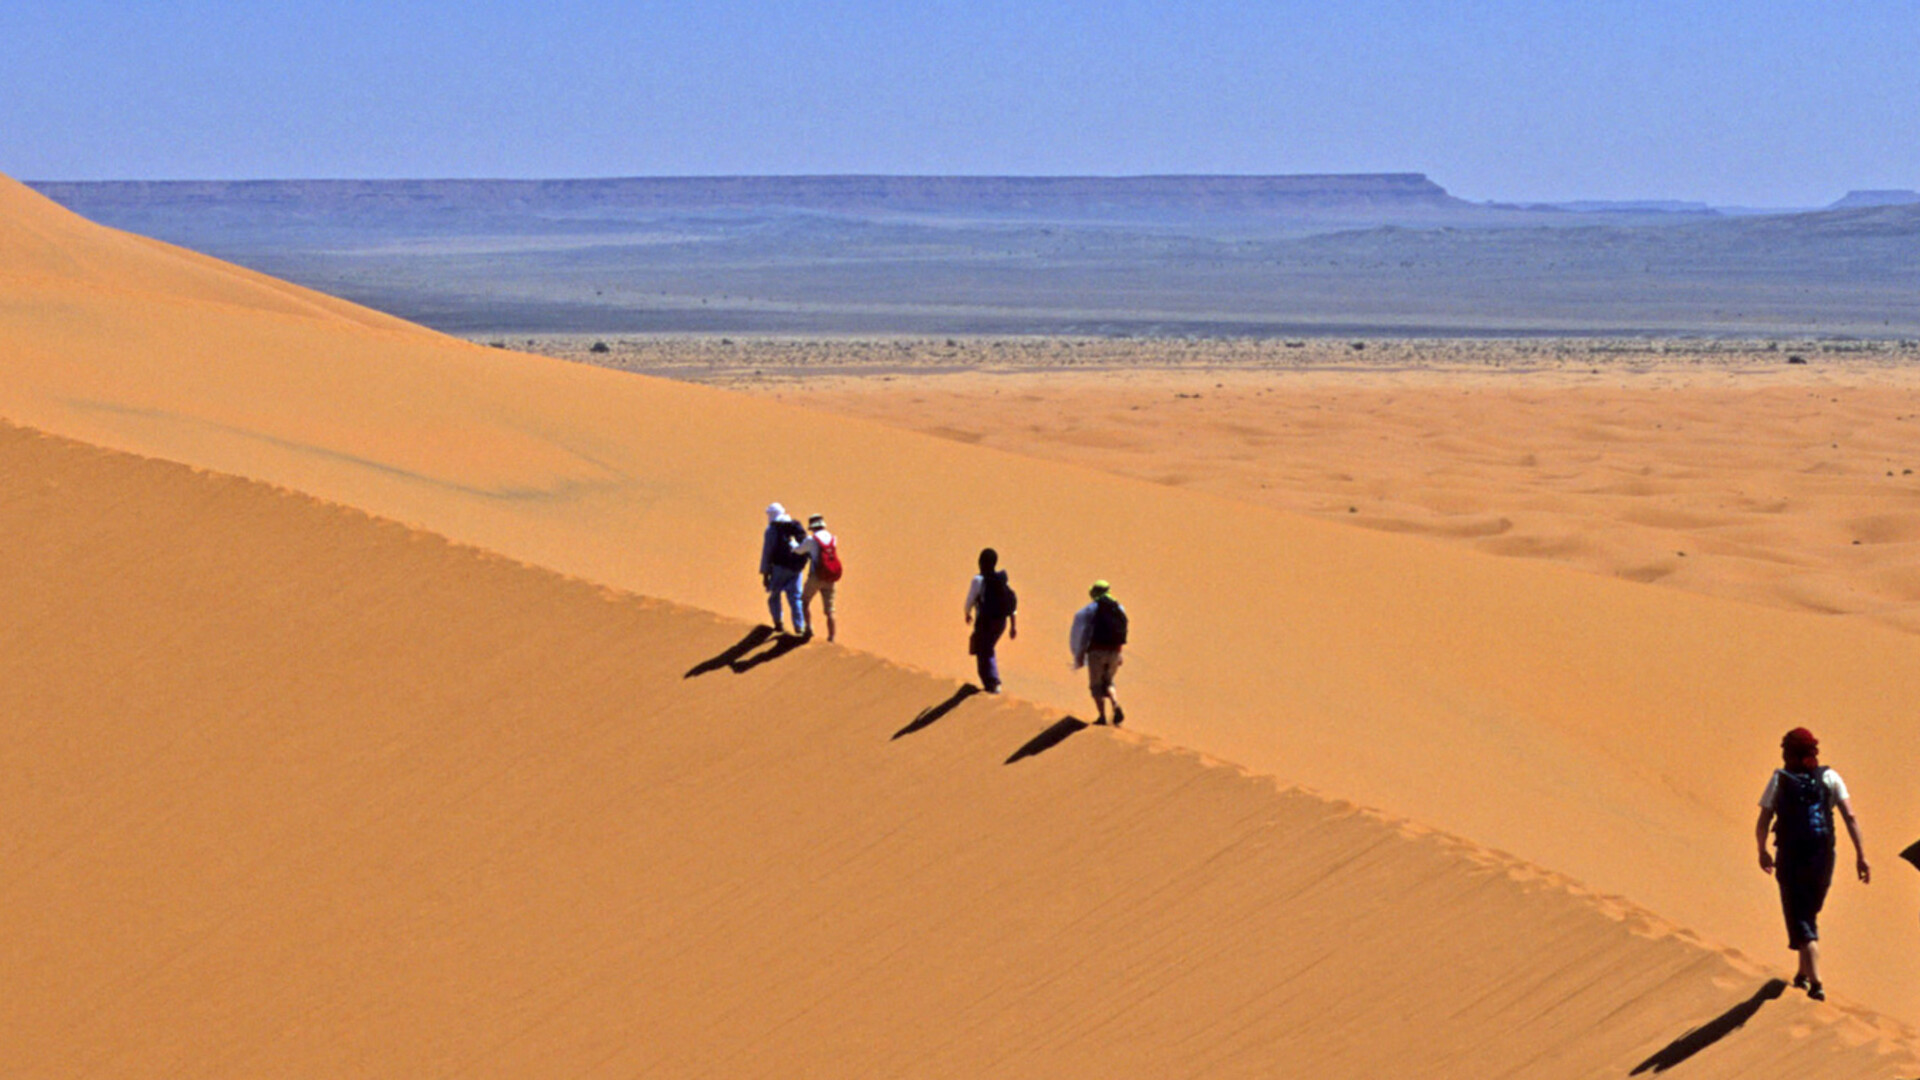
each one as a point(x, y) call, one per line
point(1099, 633)
point(823, 571)
point(1798, 804)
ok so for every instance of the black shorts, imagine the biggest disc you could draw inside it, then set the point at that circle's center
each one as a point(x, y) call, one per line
point(1804, 877)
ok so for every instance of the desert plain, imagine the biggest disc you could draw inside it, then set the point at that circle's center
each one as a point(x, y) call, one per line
point(1780, 473)
point(384, 703)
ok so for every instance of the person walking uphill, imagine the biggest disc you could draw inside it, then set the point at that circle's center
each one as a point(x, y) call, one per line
point(1798, 803)
point(1099, 633)
point(992, 609)
point(822, 553)
point(780, 566)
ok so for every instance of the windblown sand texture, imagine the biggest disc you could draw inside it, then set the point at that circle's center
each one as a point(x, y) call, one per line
point(310, 793)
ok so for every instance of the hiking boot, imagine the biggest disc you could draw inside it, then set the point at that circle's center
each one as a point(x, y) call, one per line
point(1119, 715)
point(1799, 982)
point(1816, 991)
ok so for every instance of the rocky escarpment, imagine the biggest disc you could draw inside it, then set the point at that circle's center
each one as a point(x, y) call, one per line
point(1063, 196)
point(1853, 200)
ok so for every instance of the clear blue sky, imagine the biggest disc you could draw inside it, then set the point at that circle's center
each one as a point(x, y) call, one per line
point(1753, 102)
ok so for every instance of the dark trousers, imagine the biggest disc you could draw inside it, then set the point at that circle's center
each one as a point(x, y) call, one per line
point(985, 638)
point(988, 668)
point(1804, 876)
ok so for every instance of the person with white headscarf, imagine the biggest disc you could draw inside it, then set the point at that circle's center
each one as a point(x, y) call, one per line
point(780, 565)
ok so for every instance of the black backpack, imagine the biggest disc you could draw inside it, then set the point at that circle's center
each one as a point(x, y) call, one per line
point(997, 599)
point(1109, 624)
point(785, 552)
point(1801, 817)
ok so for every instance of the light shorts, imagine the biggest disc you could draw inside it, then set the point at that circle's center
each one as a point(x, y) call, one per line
point(1102, 665)
point(823, 589)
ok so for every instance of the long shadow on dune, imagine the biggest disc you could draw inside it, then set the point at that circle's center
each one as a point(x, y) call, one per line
point(1712, 1031)
point(929, 715)
point(782, 645)
point(754, 639)
point(736, 658)
point(1048, 739)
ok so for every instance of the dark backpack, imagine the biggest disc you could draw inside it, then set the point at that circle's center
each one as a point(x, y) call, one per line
point(787, 535)
point(1801, 817)
point(1109, 624)
point(997, 599)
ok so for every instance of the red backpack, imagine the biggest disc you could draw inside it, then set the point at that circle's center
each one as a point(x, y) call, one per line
point(830, 569)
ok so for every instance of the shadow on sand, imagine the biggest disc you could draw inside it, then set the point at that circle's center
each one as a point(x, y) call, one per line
point(1049, 738)
point(1712, 1031)
point(735, 657)
point(929, 715)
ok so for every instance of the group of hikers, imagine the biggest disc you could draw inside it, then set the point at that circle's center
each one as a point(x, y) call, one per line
point(1798, 806)
point(992, 609)
point(785, 550)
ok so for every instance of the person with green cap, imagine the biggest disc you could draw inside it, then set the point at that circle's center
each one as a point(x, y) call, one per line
point(1099, 633)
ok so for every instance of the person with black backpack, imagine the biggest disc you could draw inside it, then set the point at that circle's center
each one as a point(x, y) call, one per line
point(1099, 633)
point(992, 609)
point(780, 566)
point(1798, 804)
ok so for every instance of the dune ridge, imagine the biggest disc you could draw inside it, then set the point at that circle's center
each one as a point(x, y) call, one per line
point(1617, 734)
point(379, 803)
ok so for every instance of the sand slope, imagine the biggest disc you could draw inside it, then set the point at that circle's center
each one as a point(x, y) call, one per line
point(1611, 732)
point(298, 792)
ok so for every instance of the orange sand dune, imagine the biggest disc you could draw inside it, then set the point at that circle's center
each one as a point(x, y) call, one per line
point(297, 792)
point(1797, 487)
point(1611, 732)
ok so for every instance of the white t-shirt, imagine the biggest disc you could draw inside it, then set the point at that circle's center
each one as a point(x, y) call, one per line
point(1836, 789)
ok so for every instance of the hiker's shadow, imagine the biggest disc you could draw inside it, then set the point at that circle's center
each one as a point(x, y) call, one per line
point(1712, 1031)
point(736, 659)
point(934, 712)
point(1049, 738)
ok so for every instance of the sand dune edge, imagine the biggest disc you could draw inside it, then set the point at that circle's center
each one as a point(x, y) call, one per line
point(310, 792)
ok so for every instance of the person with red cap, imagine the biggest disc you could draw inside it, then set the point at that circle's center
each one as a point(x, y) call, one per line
point(1798, 805)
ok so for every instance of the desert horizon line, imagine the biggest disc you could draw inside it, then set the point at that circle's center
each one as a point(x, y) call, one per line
point(1400, 175)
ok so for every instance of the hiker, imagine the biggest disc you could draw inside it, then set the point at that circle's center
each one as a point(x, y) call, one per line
point(780, 566)
point(992, 609)
point(1799, 804)
point(1099, 633)
point(822, 553)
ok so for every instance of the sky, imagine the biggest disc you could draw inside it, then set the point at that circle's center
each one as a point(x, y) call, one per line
point(1755, 103)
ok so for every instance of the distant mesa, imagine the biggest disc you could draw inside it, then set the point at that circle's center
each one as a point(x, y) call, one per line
point(1854, 200)
point(1023, 196)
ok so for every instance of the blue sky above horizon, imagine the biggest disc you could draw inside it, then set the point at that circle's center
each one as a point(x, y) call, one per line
point(1758, 103)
